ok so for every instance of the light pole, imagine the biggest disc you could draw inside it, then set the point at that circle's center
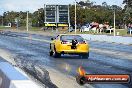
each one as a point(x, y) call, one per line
point(27, 21)
point(2, 20)
point(75, 17)
point(38, 18)
point(114, 23)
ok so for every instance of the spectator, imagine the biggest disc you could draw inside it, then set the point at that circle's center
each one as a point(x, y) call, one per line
point(129, 28)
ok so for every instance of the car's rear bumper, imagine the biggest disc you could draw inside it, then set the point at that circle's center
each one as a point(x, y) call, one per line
point(73, 52)
point(79, 50)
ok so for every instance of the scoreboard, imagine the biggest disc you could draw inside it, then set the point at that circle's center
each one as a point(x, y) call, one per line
point(56, 15)
point(50, 13)
point(63, 13)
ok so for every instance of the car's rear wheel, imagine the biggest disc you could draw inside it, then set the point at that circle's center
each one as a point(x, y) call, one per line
point(85, 56)
point(51, 52)
point(55, 54)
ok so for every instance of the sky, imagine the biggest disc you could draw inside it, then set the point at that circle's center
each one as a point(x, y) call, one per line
point(33, 5)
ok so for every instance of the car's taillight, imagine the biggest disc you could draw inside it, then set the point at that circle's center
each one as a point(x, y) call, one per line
point(64, 42)
point(83, 42)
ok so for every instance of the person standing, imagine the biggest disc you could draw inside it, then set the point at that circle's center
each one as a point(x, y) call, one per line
point(129, 28)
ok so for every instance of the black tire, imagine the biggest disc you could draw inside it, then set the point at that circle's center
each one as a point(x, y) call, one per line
point(50, 46)
point(51, 52)
point(56, 55)
point(85, 56)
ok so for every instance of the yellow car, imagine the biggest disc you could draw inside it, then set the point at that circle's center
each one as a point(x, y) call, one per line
point(69, 44)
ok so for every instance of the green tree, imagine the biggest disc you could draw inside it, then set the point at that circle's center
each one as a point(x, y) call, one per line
point(128, 11)
point(97, 13)
point(9, 17)
point(38, 18)
point(128, 3)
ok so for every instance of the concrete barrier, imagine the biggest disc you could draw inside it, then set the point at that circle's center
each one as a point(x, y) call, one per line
point(11, 78)
point(111, 39)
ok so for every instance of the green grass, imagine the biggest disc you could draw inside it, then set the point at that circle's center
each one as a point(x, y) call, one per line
point(122, 32)
point(35, 29)
point(23, 28)
point(3, 28)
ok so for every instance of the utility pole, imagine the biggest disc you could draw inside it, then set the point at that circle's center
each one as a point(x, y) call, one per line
point(17, 23)
point(27, 21)
point(69, 19)
point(114, 23)
point(2, 21)
point(75, 17)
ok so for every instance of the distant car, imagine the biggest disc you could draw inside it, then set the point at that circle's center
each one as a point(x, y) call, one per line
point(69, 44)
point(85, 28)
point(94, 28)
point(109, 29)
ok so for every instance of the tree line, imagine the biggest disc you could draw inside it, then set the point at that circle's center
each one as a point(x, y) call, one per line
point(86, 12)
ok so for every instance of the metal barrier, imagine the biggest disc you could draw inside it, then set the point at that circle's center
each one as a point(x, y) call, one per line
point(111, 39)
point(11, 78)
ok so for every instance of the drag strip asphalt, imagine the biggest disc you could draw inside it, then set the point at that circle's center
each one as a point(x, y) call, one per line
point(105, 58)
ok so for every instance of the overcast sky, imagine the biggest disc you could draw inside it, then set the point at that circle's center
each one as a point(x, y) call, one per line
point(32, 5)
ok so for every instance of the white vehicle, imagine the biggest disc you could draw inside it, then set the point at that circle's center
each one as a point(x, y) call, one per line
point(94, 29)
point(85, 28)
point(109, 30)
